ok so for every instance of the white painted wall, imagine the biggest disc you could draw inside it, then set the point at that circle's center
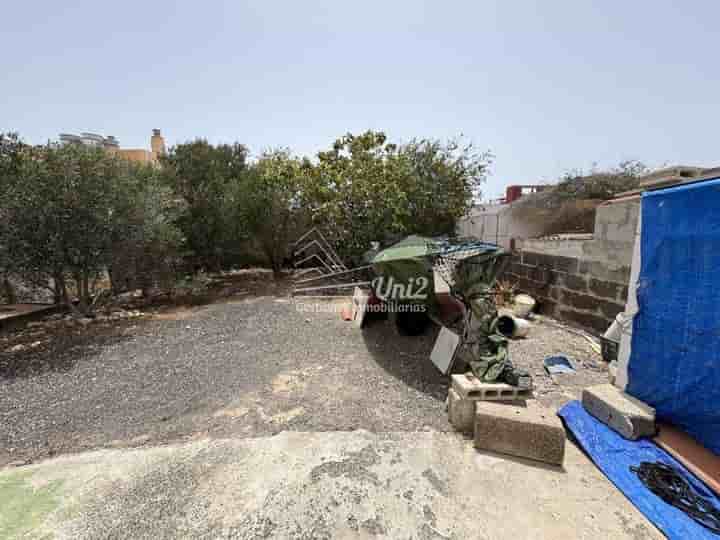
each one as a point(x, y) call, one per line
point(498, 224)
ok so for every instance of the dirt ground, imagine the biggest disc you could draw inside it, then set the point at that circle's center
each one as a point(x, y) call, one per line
point(245, 367)
point(248, 417)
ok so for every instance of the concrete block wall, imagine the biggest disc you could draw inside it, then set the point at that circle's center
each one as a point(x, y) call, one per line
point(588, 293)
point(581, 280)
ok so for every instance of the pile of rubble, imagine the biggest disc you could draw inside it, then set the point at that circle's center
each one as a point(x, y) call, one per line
point(116, 314)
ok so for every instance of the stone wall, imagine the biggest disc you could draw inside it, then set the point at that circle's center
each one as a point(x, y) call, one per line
point(585, 292)
point(581, 279)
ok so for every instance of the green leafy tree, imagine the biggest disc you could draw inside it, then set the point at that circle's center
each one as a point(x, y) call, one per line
point(146, 243)
point(273, 203)
point(78, 213)
point(12, 152)
point(367, 189)
point(62, 210)
point(444, 180)
point(206, 177)
point(358, 193)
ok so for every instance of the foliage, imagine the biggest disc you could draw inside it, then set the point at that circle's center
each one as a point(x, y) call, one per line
point(599, 184)
point(146, 245)
point(62, 215)
point(444, 179)
point(504, 292)
point(207, 177)
point(356, 189)
point(76, 212)
point(569, 206)
point(12, 150)
point(272, 204)
point(78, 215)
point(367, 189)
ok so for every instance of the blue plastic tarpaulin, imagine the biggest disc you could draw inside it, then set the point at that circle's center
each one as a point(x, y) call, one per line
point(675, 358)
point(614, 456)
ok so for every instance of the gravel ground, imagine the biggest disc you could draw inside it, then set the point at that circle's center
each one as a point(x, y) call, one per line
point(247, 367)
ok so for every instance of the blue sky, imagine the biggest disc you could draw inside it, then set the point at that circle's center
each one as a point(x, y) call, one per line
point(547, 86)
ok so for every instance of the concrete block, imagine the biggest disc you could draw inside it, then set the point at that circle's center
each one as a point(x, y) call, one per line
point(461, 412)
point(583, 318)
point(529, 431)
point(565, 264)
point(605, 289)
point(610, 309)
point(627, 415)
point(583, 302)
point(574, 282)
point(470, 387)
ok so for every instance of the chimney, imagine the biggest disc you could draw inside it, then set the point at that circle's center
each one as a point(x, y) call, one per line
point(157, 144)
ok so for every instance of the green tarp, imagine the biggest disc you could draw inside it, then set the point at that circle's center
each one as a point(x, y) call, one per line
point(471, 269)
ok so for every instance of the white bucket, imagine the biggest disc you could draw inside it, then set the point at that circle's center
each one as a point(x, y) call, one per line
point(523, 305)
point(616, 329)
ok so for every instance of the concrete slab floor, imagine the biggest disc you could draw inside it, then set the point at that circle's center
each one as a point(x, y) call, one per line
point(421, 485)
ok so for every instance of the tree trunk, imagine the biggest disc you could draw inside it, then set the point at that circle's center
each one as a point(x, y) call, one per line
point(113, 284)
point(9, 291)
point(277, 268)
point(81, 290)
point(58, 289)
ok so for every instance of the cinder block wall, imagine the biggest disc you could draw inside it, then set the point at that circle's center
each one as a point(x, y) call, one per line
point(581, 280)
point(584, 292)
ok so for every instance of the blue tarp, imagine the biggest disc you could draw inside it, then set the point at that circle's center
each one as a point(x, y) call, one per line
point(675, 360)
point(614, 455)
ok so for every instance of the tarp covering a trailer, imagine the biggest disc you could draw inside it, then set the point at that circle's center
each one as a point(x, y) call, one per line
point(675, 357)
point(467, 265)
point(470, 268)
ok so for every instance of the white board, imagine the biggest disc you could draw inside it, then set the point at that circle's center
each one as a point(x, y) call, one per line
point(443, 353)
point(359, 306)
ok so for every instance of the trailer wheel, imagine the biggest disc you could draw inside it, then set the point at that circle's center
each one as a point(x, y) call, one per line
point(411, 323)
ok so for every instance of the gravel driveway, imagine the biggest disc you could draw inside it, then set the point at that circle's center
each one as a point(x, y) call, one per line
point(241, 368)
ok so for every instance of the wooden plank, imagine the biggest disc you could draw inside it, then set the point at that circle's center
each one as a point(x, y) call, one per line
point(699, 460)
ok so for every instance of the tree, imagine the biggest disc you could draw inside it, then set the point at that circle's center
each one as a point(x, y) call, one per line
point(273, 206)
point(77, 212)
point(358, 192)
point(206, 177)
point(62, 213)
point(146, 244)
point(367, 189)
point(12, 151)
point(74, 213)
point(445, 178)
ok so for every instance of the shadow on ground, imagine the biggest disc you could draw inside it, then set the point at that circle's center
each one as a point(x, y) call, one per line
point(34, 352)
point(407, 358)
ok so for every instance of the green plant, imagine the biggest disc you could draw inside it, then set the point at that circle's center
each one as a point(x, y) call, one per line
point(505, 292)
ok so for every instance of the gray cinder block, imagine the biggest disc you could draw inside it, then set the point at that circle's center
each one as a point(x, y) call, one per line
point(625, 414)
point(461, 412)
point(529, 431)
point(470, 387)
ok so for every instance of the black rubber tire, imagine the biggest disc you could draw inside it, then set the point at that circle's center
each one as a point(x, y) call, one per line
point(412, 323)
